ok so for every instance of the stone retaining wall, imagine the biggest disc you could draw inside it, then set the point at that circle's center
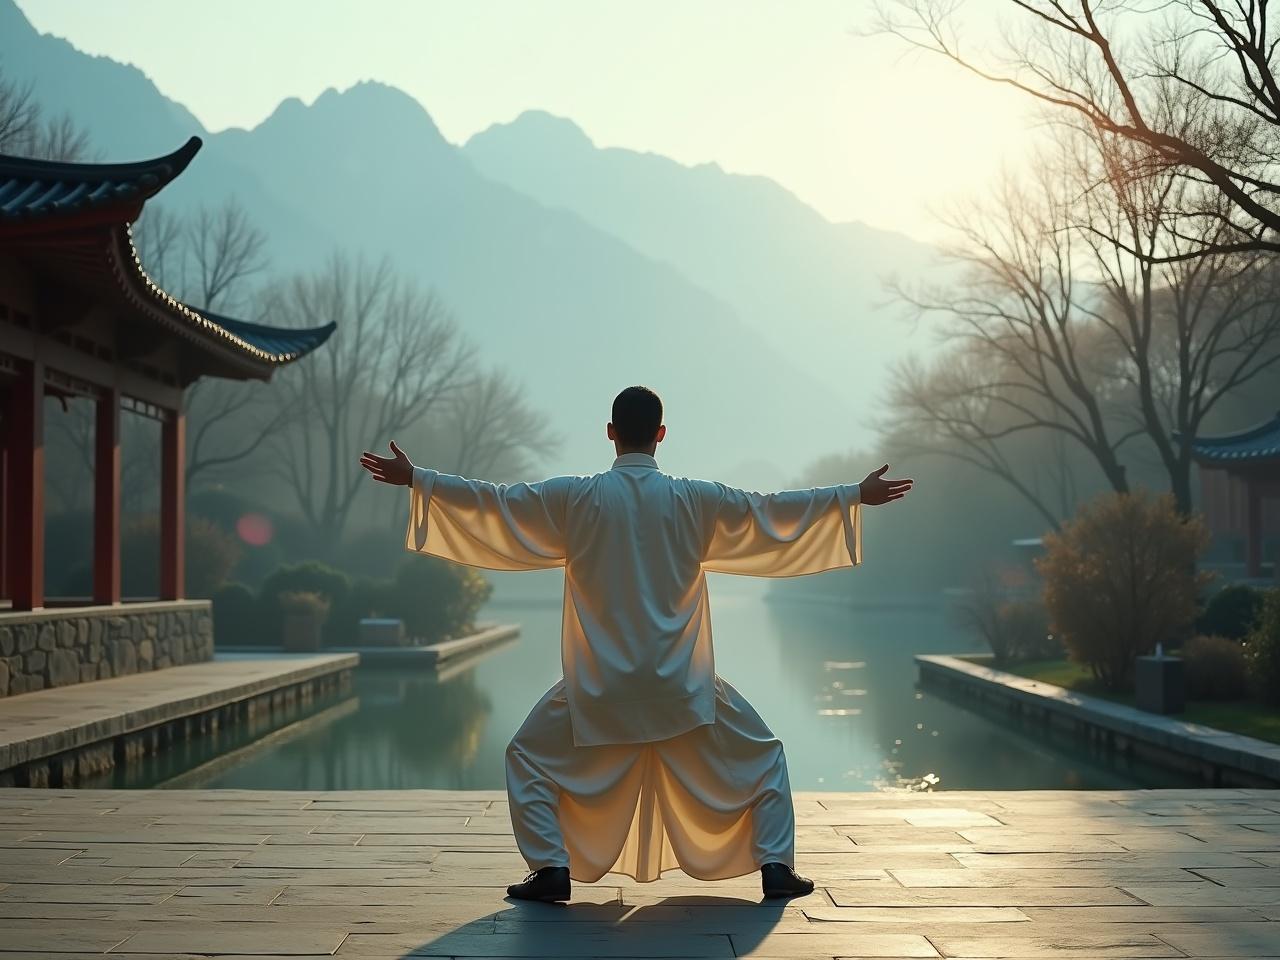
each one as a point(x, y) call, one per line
point(61, 646)
point(1218, 757)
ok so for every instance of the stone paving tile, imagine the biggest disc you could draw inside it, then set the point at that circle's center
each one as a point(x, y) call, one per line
point(103, 893)
point(1204, 895)
point(1228, 940)
point(290, 941)
point(38, 938)
point(420, 873)
point(532, 945)
point(834, 944)
point(1244, 877)
point(984, 896)
point(1143, 914)
point(1065, 945)
point(1183, 860)
point(1088, 877)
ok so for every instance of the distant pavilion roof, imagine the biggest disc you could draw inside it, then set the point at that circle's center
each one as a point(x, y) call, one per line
point(1261, 442)
point(73, 218)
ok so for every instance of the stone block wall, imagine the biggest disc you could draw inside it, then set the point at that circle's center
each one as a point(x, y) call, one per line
point(60, 646)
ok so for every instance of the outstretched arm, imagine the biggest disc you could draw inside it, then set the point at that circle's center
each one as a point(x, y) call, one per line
point(793, 532)
point(497, 526)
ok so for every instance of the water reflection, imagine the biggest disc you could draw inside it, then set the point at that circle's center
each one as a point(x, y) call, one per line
point(835, 682)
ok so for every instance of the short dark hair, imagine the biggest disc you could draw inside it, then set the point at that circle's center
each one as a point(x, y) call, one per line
point(637, 415)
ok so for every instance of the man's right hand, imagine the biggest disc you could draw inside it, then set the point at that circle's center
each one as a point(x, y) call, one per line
point(396, 470)
point(875, 489)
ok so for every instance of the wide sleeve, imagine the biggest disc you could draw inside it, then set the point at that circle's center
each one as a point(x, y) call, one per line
point(492, 525)
point(784, 534)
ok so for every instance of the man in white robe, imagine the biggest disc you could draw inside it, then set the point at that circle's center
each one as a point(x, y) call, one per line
point(641, 759)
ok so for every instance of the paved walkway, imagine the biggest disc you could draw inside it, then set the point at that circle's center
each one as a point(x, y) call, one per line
point(47, 722)
point(395, 874)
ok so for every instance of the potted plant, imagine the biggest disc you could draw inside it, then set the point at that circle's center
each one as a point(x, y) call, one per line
point(303, 614)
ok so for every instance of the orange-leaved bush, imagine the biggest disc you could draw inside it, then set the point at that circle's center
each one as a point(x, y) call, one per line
point(1121, 577)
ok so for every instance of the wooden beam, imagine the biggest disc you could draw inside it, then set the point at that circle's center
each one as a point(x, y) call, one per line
point(24, 503)
point(26, 345)
point(106, 499)
point(173, 440)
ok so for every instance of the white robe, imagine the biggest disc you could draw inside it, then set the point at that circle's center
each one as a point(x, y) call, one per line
point(639, 674)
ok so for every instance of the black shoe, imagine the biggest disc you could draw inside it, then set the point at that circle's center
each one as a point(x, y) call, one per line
point(548, 884)
point(779, 880)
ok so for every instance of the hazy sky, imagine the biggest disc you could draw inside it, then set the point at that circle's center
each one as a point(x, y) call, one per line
point(787, 89)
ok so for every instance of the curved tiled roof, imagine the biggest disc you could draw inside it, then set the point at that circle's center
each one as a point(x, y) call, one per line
point(282, 344)
point(33, 189)
point(1257, 443)
point(66, 210)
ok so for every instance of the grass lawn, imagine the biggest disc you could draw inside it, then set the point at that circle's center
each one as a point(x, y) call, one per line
point(1247, 717)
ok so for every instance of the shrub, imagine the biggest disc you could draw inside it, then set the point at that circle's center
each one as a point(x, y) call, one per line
point(1013, 629)
point(1262, 648)
point(1216, 668)
point(211, 555)
point(309, 577)
point(436, 599)
point(1120, 577)
point(235, 617)
point(303, 603)
point(1231, 611)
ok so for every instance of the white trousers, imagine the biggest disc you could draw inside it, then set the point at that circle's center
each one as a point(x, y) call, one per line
point(714, 801)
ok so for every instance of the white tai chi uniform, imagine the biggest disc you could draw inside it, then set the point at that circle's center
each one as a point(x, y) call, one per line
point(641, 759)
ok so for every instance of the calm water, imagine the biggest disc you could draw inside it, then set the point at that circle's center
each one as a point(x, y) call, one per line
point(835, 682)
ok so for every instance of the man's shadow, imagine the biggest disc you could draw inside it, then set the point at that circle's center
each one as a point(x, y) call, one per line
point(677, 926)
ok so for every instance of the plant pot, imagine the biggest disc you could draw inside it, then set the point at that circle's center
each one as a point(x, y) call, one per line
point(301, 632)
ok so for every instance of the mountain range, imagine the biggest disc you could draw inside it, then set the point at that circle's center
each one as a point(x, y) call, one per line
point(577, 268)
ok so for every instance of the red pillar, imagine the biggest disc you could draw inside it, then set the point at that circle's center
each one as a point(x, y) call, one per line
point(173, 442)
point(106, 499)
point(4, 500)
point(24, 519)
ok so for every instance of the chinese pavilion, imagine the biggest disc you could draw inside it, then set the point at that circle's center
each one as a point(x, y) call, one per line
point(79, 316)
point(1240, 493)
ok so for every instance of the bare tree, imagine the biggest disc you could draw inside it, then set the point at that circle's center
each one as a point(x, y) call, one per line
point(26, 130)
point(395, 359)
point(1081, 317)
point(496, 428)
point(1027, 351)
point(159, 238)
point(1192, 82)
point(1194, 319)
point(208, 259)
point(227, 249)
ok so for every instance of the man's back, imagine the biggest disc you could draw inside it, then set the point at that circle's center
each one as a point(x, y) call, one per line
point(636, 543)
point(635, 538)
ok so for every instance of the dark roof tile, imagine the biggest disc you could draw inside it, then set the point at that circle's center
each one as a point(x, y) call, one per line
point(33, 189)
point(282, 343)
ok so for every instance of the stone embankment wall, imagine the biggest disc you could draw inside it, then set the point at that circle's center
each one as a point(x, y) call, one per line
point(60, 646)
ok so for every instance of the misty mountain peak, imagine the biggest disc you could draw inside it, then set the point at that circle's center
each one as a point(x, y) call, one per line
point(369, 122)
point(378, 103)
point(535, 129)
